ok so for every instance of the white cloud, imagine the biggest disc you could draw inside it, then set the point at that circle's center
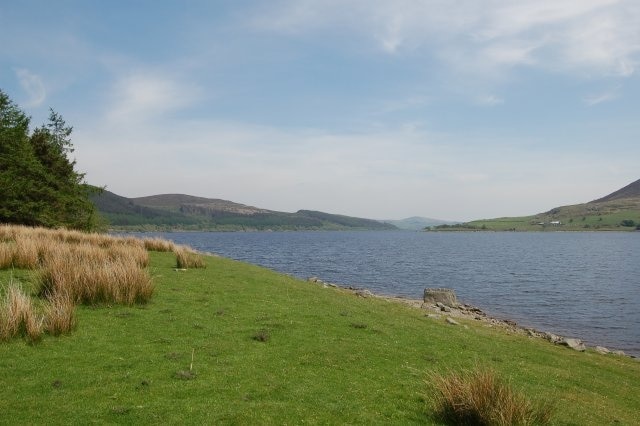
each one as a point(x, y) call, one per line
point(585, 37)
point(146, 94)
point(601, 97)
point(490, 100)
point(390, 172)
point(33, 85)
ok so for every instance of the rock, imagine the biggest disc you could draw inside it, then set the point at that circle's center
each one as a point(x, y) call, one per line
point(332, 285)
point(434, 316)
point(446, 296)
point(621, 353)
point(445, 309)
point(314, 280)
point(602, 350)
point(451, 321)
point(575, 344)
point(363, 293)
point(553, 338)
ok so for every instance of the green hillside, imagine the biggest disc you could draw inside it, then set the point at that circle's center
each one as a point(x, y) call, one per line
point(618, 211)
point(179, 211)
point(238, 344)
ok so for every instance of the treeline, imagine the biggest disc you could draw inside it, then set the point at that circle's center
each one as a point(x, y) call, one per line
point(39, 185)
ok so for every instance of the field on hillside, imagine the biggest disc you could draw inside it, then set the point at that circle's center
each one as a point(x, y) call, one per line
point(565, 219)
point(237, 344)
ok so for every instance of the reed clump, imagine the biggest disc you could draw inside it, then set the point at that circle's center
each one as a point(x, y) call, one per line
point(481, 397)
point(158, 244)
point(71, 267)
point(188, 258)
point(91, 275)
point(18, 316)
point(7, 250)
point(60, 315)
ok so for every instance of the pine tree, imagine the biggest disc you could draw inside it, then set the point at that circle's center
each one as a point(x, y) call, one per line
point(38, 183)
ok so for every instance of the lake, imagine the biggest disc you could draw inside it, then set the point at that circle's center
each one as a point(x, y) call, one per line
point(584, 285)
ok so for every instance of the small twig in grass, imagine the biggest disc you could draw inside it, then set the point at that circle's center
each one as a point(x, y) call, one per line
point(193, 350)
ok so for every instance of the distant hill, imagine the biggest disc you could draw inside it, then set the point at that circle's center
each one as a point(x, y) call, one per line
point(417, 223)
point(618, 211)
point(180, 211)
point(630, 191)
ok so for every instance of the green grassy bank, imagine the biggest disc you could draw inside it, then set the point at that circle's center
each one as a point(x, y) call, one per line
point(238, 344)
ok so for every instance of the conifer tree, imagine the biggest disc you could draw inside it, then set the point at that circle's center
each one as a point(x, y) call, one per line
point(38, 182)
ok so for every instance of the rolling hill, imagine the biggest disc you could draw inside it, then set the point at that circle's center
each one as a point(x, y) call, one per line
point(180, 211)
point(618, 211)
point(417, 223)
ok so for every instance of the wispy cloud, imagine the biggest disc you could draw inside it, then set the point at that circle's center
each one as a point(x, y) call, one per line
point(574, 36)
point(145, 94)
point(601, 97)
point(32, 84)
point(490, 100)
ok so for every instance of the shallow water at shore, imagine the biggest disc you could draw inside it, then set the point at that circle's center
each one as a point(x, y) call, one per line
point(584, 285)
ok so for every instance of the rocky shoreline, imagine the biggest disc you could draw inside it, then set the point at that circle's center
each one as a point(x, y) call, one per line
point(441, 304)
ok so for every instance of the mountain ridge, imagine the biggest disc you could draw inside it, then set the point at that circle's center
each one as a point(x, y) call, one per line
point(617, 211)
point(188, 212)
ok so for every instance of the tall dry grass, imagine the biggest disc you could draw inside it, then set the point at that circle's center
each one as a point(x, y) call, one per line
point(158, 244)
point(91, 275)
point(481, 397)
point(18, 316)
point(75, 267)
point(7, 249)
point(60, 315)
point(187, 258)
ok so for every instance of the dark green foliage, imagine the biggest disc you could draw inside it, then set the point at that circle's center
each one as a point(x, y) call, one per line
point(39, 184)
point(178, 211)
point(628, 222)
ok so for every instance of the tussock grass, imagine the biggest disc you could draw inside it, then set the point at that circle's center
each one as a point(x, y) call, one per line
point(90, 275)
point(188, 258)
point(60, 315)
point(18, 316)
point(158, 244)
point(481, 397)
point(6, 255)
point(71, 267)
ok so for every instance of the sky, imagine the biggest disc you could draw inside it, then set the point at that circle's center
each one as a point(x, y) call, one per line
point(450, 109)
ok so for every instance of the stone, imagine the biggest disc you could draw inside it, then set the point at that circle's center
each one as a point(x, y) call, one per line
point(445, 309)
point(602, 350)
point(553, 338)
point(446, 296)
point(363, 293)
point(451, 321)
point(621, 353)
point(434, 316)
point(575, 344)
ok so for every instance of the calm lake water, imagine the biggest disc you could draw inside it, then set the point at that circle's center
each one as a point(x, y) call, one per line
point(584, 285)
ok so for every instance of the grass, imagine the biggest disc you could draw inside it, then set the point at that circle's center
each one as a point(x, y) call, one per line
point(607, 216)
point(71, 267)
point(188, 258)
point(18, 316)
point(481, 397)
point(129, 364)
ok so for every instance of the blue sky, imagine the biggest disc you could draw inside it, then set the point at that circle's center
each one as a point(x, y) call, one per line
point(387, 109)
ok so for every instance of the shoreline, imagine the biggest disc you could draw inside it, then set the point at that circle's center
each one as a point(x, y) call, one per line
point(438, 311)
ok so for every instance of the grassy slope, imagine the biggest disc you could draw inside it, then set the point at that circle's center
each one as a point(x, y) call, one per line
point(601, 216)
point(331, 358)
point(178, 211)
